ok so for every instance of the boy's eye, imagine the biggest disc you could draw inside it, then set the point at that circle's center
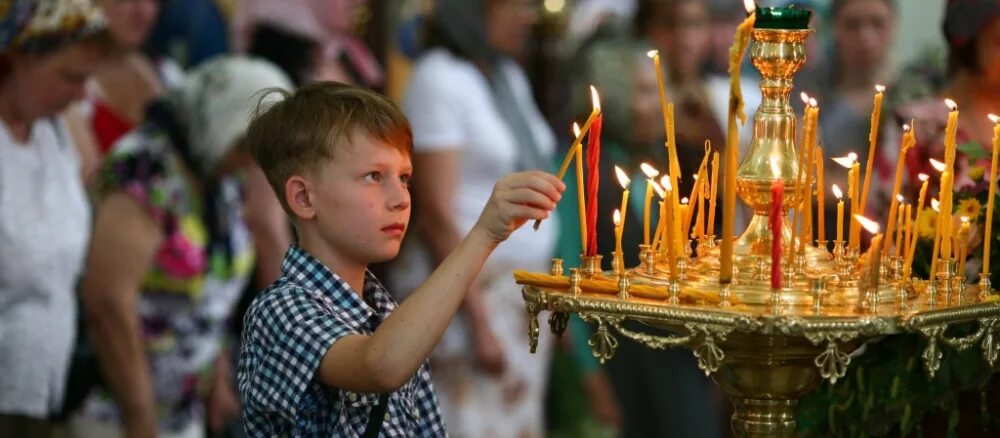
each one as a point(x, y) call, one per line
point(405, 179)
point(373, 177)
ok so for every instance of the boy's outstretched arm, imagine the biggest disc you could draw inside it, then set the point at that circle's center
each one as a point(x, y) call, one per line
point(388, 359)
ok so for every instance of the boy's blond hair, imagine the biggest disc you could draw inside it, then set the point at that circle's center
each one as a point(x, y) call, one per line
point(303, 130)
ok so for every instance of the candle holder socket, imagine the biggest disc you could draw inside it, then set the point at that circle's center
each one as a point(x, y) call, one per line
point(647, 259)
point(623, 285)
point(574, 281)
point(557, 267)
point(817, 288)
point(616, 263)
point(590, 266)
point(823, 245)
point(985, 286)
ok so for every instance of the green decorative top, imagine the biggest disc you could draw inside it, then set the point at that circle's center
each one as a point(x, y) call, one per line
point(783, 18)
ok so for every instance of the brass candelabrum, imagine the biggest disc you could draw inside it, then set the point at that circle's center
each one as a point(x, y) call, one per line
point(766, 347)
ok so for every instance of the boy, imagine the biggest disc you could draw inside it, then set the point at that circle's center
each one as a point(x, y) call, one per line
point(326, 339)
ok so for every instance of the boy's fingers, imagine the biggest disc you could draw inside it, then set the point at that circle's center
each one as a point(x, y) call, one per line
point(521, 211)
point(530, 197)
point(539, 182)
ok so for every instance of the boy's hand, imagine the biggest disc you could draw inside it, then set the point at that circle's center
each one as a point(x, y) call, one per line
point(517, 198)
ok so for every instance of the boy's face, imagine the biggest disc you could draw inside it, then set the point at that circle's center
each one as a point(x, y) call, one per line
point(361, 199)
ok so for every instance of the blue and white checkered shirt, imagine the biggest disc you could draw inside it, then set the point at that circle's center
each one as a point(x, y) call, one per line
point(289, 328)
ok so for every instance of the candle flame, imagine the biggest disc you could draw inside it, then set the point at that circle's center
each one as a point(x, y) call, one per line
point(951, 104)
point(749, 5)
point(899, 198)
point(650, 171)
point(775, 167)
point(923, 177)
point(665, 182)
point(576, 129)
point(813, 103)
point(617, 218)
point(847, 161)
point(994, 118)
point(879, 88)
point(652, 53)
point(658, 189)
point(805, 97)
point(935, 205)
point(623, 178)
point(684, 200)
point(964, 219)
point(595, 99)
point(906, 128)
point(939, 166)
point(836, 192)
point(869, 224)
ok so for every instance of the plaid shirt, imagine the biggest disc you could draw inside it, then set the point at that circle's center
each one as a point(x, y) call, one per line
point(289, 328)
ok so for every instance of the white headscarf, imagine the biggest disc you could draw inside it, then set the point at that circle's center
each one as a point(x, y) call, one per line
point(216, 101)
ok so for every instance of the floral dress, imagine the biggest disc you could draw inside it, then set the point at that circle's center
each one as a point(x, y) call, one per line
point(195, 279)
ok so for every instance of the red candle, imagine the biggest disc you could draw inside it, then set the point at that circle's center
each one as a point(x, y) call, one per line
point(777, 199)
point(593, 181)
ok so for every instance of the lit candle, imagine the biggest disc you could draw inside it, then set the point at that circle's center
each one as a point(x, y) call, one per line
point(906, 143)
point(736, 51)
point(851, 162)
point(820, 205)
point(874, 251)
point(699, 221)
point(812, 112)
point(988, 232)
point(963, 249)
point(624, 180)
point(777, 198)
point(840, 212)
point(908, 264)
point(686, 218)
point(907, 227)
point(899, 228)
point(714, 192)
point(618, 241)
point(872, 141)
point(651, 173)
point(581, 199)
point(936, 206)
point(673, 166)
point(593, 174)
point(669, 226)
point(948, 179)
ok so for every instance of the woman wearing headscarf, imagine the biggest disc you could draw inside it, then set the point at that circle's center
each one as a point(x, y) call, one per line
point(172, 249)
point(48, 48)
point(311, 40)
point(474, 119)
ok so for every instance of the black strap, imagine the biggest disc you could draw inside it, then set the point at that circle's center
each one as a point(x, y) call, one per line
point(377, 417)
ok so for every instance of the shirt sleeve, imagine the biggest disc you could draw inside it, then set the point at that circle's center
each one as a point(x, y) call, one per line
point(435, 113)
point(287, 336)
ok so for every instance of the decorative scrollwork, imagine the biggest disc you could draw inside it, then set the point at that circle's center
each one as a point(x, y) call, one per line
point(709, 355)
point(558, 322)
point(653, 341)
point(991, 346)
point(932, 353)
point(602, 343)
point(832, 362)
point(533, 331)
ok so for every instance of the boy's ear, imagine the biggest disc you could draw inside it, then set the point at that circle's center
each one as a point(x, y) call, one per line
point(298, 196)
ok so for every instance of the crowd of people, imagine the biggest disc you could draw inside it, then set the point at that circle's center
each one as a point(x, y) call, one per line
point(136, 226)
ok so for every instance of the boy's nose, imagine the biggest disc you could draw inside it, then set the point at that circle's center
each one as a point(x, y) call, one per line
point(399, 199)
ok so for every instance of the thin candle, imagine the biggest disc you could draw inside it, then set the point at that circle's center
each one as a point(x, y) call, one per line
point(617, 219)
point(777, 198)
point(813, 116)
point(593, 174)
point(935, 205)
point(988, 231)
point(872, 142)
point(850, 162)
point(740, 42)
point(840, 212)
point(899, 228)
point(650, 173)
point(907, 227)
point(673, 166)
point(906, 143)
point(908, 264)
point(948, 179)
point(671, 248)
point(713, 194)
point(624, 180)
point(820, 205)
point(874, 251)
point(963, 250)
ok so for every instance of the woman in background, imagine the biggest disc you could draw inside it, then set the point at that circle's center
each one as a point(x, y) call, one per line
point(474, 119)
point(49, 49)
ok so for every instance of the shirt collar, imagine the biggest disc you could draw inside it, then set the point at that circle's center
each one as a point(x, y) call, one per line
point(301, 267)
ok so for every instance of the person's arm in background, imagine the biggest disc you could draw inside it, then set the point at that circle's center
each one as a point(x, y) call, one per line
point(85, 142)
point(433, 193)
point(122, 248)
